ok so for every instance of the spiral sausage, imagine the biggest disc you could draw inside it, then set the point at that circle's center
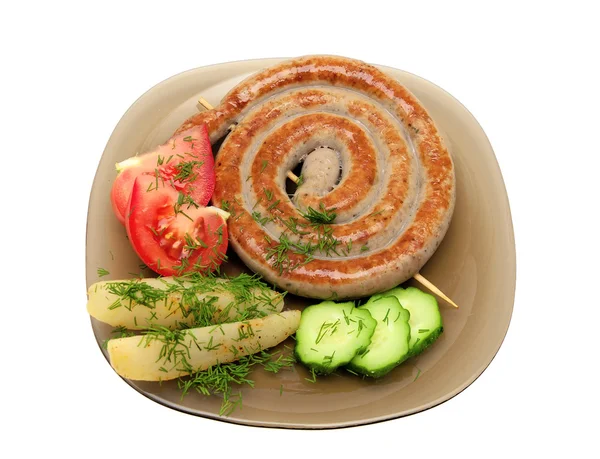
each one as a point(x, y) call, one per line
point(392, 198)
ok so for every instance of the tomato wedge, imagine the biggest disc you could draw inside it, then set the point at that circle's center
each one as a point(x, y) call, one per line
point(186, 161)
point(170, 232)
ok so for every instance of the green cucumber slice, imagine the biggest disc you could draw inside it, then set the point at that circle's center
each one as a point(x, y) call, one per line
point(331, 334)
point(390, 343)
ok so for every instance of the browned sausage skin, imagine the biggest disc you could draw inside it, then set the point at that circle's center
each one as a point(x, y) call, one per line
point(396, 190)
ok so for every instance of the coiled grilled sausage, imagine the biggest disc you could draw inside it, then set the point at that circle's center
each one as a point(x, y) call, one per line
point(393, 197)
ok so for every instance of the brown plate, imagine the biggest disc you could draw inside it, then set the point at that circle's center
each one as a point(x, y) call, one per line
point(475, 266)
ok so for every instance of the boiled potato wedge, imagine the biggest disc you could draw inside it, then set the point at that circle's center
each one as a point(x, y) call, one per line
point(165, 355)
point(175, 302)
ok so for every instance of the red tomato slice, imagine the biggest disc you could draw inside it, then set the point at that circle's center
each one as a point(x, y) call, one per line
point(186, 161)
point(172, 235)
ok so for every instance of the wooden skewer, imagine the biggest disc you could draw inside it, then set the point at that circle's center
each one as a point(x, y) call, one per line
point(421, 280)
point(418, 277)
point(293, 177)
point(202, 101)
point(206, 104)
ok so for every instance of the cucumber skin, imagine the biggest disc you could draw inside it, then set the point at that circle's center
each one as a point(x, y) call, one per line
point(411, 353)
point(432, 338)
point(325, 370)
point(380, 372)
point(384, 370)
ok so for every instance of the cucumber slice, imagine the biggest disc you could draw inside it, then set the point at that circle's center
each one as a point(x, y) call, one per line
point(390, 343)
point(425, 319)
point(331, 334)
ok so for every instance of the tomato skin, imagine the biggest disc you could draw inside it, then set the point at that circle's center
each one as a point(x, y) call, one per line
point(121, 191)
point(190, 146)
point(169, 242)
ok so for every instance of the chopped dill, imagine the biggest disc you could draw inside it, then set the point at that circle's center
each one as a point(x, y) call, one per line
point(222, 378)
point(264, 165)
point(321, 216)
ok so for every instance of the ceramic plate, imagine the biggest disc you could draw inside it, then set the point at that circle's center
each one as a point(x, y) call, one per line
point(475, 266)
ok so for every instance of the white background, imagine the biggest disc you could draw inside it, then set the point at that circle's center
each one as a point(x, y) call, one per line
point(527, 71)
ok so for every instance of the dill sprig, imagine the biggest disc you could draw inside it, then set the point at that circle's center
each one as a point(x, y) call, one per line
point(174, 352)
point(386, 319)
point(321, 216)
point(264, 165)
point(324, 243)
point(184, 200)
point(418, 373)
point(322, 240)
point(274, 366)
point(279, 254)
point(225, 205)
point(222, 378)
point(328, 359)
point(186, 171)
point(259, 218)
point(313, 378)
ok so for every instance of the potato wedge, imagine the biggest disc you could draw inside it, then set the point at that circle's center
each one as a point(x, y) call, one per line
point(175, 302)
point(164, 355)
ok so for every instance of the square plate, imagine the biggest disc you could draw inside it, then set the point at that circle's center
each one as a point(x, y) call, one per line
point(475, 265)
